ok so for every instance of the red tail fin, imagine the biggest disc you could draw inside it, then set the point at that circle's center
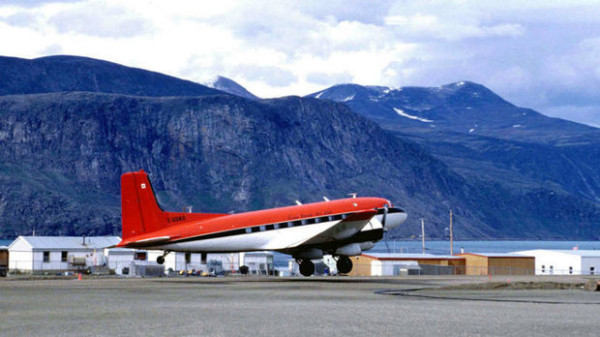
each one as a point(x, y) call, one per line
point(140, 213)
point(139, 210)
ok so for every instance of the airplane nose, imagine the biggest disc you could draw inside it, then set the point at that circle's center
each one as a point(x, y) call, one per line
point(394, 217)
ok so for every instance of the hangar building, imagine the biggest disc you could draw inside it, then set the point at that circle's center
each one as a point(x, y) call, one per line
point(393, 264)
point(499, 263)
point(565, 262)
point(40, 254)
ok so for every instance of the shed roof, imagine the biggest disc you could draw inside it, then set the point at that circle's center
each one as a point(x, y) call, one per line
point(68, 242)
point(400, 256)
point(515, 255)
point(575, 252)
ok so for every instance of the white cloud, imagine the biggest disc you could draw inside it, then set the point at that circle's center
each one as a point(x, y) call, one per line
point(537, 53)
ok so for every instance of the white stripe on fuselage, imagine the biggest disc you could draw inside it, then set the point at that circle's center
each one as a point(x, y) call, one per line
point(276, 239)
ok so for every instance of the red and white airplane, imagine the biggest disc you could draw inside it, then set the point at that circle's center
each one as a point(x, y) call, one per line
point(342, 228)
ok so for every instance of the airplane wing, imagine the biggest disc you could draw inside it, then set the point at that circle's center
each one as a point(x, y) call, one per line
point(340, 230)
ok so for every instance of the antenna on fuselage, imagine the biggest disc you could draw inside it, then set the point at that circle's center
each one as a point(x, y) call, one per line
point(298, 203)
point(325, 198)
point(353, 195)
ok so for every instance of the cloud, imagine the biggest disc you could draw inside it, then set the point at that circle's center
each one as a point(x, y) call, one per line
point(539, 54)
point(33, 3)
point(320, 78)
point(21, 19)
point(274, 76)
point(98, 19)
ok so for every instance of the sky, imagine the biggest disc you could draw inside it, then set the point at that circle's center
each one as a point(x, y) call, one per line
point(543, 55)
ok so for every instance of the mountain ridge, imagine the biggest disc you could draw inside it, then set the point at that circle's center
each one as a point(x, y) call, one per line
point(63, 153)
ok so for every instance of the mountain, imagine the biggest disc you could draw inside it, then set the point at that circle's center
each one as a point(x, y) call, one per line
point(74, 73)
point(482, 137)
point(63, 153)
point(463, 107)
point(229, 86)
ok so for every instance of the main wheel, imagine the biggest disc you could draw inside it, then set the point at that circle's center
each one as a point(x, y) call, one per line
point(307, 268)
point(160, 259)
point(344, 265)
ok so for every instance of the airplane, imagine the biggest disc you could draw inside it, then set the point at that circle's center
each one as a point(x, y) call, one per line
point(341, 228)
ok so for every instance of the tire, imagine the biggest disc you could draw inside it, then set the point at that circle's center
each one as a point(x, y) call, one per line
point(307, 268)
point(344, 265)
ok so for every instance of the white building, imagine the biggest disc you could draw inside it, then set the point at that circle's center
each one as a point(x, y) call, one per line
point(258, 263)
point(565, 262)
point(39, 254)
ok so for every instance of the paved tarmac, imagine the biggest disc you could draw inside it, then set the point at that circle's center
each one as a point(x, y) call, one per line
point(315, 306)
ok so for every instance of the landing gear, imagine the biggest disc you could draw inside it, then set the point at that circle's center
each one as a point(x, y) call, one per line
point(307, 268)
point(161, 259)
point(344, 265)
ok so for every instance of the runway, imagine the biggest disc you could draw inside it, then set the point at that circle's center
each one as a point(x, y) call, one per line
point(331, 306)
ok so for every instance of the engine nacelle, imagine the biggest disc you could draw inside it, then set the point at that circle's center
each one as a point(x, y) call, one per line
point(367, 245)
point(310, 254)
point(352, 249)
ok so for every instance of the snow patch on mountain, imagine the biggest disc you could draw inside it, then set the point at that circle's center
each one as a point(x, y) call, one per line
point(404, 114)
point(349, 98)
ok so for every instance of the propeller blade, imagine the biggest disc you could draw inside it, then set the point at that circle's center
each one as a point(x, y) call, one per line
point(385, 212)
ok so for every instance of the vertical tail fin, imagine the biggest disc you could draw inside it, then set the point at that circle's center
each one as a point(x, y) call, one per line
point(140, 212)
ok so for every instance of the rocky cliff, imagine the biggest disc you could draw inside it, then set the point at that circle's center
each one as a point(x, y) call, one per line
point(63, 153)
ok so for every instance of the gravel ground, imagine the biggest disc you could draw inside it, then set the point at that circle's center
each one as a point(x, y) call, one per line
point(334, 306)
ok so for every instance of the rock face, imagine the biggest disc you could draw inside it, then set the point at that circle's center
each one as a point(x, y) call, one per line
point(63, 154)
point(535, 161)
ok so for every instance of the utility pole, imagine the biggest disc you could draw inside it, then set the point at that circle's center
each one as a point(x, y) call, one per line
point(423, 233)
point(451, 241)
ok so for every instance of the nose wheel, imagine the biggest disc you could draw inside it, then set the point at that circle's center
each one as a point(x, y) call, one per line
point(344, 265)
point(161, 259)
point(307, 268)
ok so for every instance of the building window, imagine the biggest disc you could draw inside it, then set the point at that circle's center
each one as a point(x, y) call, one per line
point(188, 257)
point(140, 256)
point(46, 256)
point(543, 268)
point(570, 270)
point(64, 256)
point(592, 270)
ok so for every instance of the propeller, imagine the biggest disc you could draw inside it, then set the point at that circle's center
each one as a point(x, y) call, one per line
point(385, 212)
point(383, 219)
